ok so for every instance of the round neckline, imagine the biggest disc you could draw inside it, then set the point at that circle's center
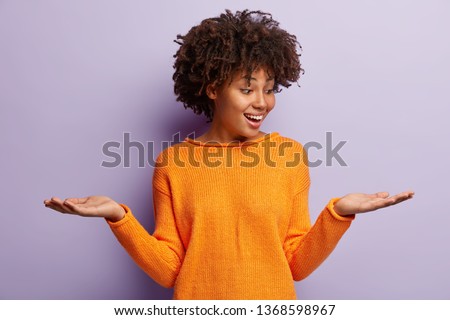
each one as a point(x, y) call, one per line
point(233, 144)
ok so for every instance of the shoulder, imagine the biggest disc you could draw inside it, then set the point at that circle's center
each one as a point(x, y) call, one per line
point(167, 165)
point(287, 146)
point(170, 155)
point(293, 158)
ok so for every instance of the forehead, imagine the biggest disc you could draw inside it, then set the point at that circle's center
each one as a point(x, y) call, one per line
point(259, 74)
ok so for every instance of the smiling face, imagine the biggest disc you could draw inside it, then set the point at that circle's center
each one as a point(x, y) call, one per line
point(240, 107)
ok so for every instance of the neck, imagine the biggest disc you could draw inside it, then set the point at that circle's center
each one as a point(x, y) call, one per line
point(218, 133)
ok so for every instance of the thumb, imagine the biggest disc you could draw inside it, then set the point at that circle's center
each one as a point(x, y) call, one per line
point(383, 194)
point(76, 200)
point(81, 209)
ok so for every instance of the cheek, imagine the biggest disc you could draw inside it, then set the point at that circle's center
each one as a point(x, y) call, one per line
point(271, 103)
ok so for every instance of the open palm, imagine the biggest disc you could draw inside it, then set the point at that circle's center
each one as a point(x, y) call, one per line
point(92, 206)
point(355, 203)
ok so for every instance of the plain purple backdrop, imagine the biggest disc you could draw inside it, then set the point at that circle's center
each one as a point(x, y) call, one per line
point(76, 74)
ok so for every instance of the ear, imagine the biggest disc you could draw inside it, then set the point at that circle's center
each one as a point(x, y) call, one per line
point(211, 91)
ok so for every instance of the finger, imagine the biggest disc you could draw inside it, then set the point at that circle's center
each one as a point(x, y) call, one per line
point(78, 205)
point(55, 201)
point(404, 194)
point(376, 204)
point(400, 200)
point(56, 208)
point(82, 210)
point(399, 196)
point(73, 207)
point(383, 194)
point(402, 197)
point(409, 193)
point(76, 200)
point(86, 211)
point(382, 203)
point(66, 209)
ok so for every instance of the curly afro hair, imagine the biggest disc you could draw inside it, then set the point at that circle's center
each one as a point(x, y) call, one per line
point(213, 51)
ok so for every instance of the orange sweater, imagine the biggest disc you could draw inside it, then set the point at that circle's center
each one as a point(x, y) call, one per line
point(232, 221)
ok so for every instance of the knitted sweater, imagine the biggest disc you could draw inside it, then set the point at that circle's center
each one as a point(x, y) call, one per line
point(232, 221)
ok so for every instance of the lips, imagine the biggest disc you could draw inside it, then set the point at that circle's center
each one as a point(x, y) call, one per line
point(253, 117)
point(254, 120)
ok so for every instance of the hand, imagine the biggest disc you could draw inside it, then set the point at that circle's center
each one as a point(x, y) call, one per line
point(355, 203)
point(93, 206)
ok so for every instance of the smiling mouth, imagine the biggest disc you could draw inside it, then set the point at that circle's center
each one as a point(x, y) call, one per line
point(252, 117)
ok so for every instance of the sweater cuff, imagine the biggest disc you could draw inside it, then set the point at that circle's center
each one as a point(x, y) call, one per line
point(125, 218)
point(330, 207)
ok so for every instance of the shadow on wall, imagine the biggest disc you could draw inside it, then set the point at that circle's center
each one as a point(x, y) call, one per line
point(184, 122)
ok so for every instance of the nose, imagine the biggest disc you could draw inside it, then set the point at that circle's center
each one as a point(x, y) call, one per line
point(260, 101)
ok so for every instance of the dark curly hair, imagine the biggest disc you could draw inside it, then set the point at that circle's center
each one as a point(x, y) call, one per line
point(211, 52)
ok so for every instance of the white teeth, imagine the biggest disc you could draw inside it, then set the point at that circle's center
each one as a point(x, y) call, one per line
point(250, 116)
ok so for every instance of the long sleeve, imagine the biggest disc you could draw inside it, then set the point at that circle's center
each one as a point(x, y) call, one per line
point(160, 255)
point(233, 231)
point(307, 247)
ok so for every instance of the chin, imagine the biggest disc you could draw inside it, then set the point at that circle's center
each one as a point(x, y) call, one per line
point(249, 135)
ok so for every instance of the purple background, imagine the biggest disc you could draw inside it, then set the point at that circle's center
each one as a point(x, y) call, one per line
point(74, 75)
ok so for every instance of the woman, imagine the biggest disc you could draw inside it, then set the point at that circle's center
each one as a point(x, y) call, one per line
point(231, 206)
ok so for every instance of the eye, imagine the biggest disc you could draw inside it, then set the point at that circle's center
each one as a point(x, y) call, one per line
point(246, 91)
point(273, 91)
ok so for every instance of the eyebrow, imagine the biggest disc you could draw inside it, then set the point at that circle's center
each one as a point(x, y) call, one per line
point(250, 79)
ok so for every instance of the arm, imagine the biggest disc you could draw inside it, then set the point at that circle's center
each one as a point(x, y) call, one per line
point(160, 255)
point(307, 247)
